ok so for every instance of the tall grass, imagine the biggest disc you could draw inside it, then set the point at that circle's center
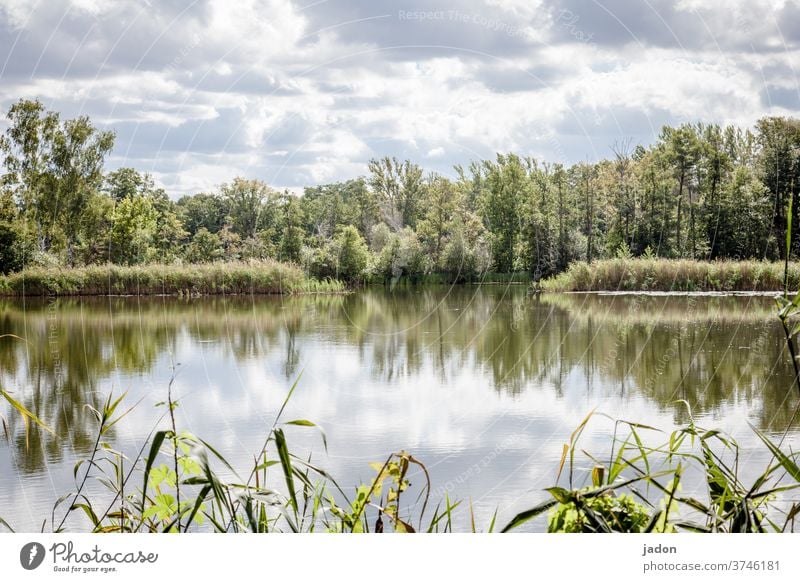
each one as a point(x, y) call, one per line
point(639, 488)
point(485, 278)
point(261, 277)
point(178, 482)
point(652, 274)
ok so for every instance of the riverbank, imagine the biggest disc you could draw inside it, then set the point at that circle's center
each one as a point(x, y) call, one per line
point(643, 274)
point(234, 278)
point(273, 277)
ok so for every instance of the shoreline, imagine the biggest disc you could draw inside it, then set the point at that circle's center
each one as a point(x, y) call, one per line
point(232, 278)
point(674, 293)
point(630, 276)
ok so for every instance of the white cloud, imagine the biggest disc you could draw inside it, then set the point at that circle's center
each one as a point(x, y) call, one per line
point(18, 12)
point(305, 95)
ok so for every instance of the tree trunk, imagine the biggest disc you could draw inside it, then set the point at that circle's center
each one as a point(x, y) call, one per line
point(691, 223)
point(678, 223)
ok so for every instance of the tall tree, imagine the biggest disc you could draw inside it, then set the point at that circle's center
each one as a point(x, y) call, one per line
point(779, 142)
point(53, 168)
point(291, 241)
point(202, 211)
point(245, 201)
point(399, 189)
point(682, 155)
point(713, 172)
point(440, 207)
point(507, 185)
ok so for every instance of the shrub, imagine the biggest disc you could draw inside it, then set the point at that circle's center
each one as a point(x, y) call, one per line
point(579, 515)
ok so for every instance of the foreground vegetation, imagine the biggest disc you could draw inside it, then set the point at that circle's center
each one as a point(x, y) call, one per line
point(653, 274)
point(178, 482)
point(700, 191)
point(255, 277)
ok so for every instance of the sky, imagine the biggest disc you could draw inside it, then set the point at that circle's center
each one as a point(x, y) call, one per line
point(299, 93)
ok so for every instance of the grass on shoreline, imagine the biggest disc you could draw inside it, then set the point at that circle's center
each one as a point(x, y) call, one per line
point(643, 274)
point(273, 277)
point(239, 278)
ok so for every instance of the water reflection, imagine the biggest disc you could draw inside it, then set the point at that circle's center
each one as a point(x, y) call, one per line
point(713, 352)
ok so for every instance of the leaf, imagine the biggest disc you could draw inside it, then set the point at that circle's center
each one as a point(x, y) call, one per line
point(491, 524)
point(303, 422)
point(77, 468)
point(109, 425)
point(4, 523)
point(288, 397)
point(155, 446)
point(161, 474)
point(189, 466)
point(27, 414)
point(790, 466)
point(560, 494)
point(286, 464)
point(300, 422)
point(527, 515)
point(564, 452)
point(87, 509)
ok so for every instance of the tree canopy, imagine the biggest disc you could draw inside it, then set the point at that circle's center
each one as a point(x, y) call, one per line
point(700, 191)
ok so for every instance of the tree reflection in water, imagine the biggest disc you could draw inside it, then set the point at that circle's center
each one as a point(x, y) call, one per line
point(711, 351)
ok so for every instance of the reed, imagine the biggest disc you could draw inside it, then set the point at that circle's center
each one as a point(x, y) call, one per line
point(178, 482)
point(238, 278)
point(653, 274)
point(639, 487)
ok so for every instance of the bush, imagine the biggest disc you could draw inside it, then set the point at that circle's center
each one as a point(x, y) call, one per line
point(580, 515)
point(402, 256)
point(458, 259)
point(345, 257)
point(10, 256)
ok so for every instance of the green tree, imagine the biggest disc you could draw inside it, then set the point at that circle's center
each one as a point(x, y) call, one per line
point(292, 233)
point(245, 201)
point(53, 168)
point(713, 172)
point(441, 204)
point(507, 185)
point(127, 182)
point(683, 151)
point(11, 248)
point(206, 247)
point(202, 211)
point(169, 235)
point(399, 189)
point(97, 222)
point(349, 253)
point(134, 230)
point(779, 142)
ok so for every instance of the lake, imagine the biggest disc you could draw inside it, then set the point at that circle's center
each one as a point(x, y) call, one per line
point(482, 384)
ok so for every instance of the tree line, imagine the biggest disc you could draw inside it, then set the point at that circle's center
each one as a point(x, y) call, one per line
point(700, 191)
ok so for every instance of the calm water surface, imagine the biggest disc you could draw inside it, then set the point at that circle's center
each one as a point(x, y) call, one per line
point(484, 385)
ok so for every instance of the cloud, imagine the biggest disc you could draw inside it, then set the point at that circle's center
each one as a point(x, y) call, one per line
point(303, 93)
